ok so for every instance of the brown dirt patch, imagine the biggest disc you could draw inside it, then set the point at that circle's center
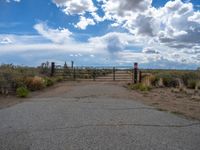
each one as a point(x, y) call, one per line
point(166, 99)
point(53, 91)
point(8, 101)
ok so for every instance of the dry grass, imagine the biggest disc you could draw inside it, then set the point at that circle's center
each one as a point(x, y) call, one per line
point(13, 77)
point(35, 83)
point(172, 78)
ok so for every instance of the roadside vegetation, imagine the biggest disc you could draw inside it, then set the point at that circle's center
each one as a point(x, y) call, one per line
point(22, 80)
point(175, 91)
point(168, 78)
point(33, 79)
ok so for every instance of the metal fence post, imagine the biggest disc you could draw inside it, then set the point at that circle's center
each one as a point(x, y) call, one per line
point(113, 73)
point(52, 68)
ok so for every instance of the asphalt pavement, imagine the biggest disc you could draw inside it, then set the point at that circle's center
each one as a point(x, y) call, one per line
point(94, 117)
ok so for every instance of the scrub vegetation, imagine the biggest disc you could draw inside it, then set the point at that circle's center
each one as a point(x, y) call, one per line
point(19, 80)
point(168, 78)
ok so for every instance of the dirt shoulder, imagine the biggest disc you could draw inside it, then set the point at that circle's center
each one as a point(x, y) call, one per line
point(55, 90)
point(8, 101)
point(174, 101)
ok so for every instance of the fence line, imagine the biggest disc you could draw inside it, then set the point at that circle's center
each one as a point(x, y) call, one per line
point(80, 73)
point(95, 74)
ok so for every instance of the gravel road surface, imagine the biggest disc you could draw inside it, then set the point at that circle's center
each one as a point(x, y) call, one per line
point(93, 116)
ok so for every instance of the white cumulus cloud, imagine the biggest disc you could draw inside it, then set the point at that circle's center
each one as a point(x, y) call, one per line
point(75, 6)
point(55, 35)
point(168, 34)
point(84, 22)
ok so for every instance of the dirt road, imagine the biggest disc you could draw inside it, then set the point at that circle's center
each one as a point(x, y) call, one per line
point(93, 116)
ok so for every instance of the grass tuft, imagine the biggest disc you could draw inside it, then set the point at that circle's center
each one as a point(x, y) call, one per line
point(139, 86)
point(22, 92)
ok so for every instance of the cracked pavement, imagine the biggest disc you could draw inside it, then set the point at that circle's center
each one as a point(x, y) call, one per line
point(93, 116)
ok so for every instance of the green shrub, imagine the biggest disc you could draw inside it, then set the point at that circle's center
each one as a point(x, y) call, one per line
point(3, 81)
point(191, 83)
point(190, 79)
point(169, 80)
point(87, 76)
point(58, 79)
point(48, 81)
point(22, 92)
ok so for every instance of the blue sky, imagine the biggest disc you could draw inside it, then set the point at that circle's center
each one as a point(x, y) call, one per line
point(154, 33)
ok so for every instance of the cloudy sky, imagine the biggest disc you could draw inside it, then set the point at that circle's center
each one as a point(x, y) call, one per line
point(154, 33)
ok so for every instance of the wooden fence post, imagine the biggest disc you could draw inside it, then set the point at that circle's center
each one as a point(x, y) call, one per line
point(113, 73)
point(135, 72)
point(52, 68)
point(132, 75)
point(74, 74)
point(72, 64)
point(140, 76)
point(94, 75)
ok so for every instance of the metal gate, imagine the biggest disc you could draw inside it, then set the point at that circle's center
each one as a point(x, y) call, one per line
point(95, 74)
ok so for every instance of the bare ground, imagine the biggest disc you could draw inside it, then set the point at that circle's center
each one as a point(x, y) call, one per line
point(8, 101)
point(163, 99)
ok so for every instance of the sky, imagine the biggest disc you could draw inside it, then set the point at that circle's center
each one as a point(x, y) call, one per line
point(155, 33)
